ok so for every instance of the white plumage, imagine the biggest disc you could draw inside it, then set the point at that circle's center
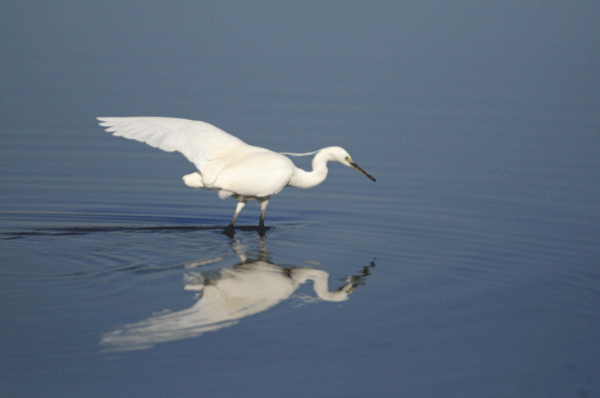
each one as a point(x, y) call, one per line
point(224, 162)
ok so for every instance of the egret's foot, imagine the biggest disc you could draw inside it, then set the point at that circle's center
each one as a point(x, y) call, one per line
point(229, 231)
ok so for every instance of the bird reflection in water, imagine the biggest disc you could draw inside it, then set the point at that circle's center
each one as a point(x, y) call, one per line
point(250, 287)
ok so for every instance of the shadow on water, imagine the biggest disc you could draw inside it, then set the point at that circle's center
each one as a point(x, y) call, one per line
point(79, 230)
point(26, 224)
point(228, 295)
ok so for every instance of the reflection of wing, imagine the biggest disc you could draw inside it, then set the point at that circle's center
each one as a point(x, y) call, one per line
point(197, 141)
point(162, 328)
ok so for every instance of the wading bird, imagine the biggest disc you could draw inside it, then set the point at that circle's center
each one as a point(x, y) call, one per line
point(226, 163)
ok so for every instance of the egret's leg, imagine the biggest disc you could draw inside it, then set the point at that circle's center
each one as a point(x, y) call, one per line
point(263, 210)
point(238, 208)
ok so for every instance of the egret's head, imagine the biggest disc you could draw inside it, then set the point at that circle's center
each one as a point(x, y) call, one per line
point(340, 155)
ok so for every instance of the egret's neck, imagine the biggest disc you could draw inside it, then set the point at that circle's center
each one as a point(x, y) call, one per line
point(309, 179)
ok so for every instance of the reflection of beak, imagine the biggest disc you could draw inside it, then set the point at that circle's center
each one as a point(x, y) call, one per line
point(354, 280)
point(358, 168)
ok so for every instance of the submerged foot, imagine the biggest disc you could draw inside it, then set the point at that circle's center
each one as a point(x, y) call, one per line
point(229, 231)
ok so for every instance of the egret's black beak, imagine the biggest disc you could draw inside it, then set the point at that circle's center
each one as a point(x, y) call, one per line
point(358, 168)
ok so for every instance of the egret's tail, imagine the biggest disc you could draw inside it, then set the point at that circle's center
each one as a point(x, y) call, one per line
point(193, 180)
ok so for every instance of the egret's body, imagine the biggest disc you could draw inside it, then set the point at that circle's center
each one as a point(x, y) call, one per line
point(226, 163)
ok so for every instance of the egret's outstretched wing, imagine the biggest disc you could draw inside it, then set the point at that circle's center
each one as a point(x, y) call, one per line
point(198, 141)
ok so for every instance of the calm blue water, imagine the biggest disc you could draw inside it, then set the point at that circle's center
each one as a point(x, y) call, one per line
point(469, 269)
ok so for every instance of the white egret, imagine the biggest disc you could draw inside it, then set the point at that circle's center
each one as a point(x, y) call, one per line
point(226, 163)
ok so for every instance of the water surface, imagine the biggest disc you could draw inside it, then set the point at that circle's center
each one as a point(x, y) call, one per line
point(470, 268)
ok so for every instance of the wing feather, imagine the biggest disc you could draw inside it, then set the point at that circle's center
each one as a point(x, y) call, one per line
point(199, 142)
